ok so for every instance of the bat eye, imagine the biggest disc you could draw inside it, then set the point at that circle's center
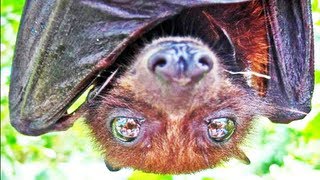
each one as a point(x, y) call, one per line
point(220, 129)
point(126, 129)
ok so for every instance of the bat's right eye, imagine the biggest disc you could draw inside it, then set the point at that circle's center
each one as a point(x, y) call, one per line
point(220, 129)
point(126, 129)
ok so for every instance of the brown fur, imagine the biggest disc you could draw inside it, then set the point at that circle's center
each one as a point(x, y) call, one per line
point(174, 136)
point(173, 144)
point(246, 25)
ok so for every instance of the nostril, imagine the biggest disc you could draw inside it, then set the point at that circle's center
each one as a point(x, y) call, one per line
point(157, 62)
point(161, 62)
point(205, 62)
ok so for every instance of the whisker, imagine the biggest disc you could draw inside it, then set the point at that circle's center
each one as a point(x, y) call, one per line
point(105, 83)
point(249, 73)
point(103, 97)
point(162, 33)
point(172, 28)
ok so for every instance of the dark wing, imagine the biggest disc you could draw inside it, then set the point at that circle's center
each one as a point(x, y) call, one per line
point(291, 61)
point(63, 44)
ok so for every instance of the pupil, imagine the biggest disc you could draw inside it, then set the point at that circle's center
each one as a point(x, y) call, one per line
point(126, 129)
point(221, 129)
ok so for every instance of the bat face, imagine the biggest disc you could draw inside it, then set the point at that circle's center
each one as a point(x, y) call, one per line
point(174, 111)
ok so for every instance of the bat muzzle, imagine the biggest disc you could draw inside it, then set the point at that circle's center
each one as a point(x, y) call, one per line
point(182, 63)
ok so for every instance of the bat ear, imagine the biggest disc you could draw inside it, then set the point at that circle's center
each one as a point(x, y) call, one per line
point(111, 168)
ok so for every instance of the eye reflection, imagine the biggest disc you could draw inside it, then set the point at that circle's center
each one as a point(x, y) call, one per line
point(126, 129)
point(220, 129)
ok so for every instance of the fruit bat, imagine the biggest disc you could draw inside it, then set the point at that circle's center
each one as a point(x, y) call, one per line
point(176, 84)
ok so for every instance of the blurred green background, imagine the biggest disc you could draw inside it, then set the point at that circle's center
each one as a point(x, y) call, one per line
point(277, 151)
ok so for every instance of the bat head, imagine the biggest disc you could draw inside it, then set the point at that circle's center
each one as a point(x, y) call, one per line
point(174, 110)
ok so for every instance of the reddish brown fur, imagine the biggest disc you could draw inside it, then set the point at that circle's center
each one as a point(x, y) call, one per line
point(246, 26)
point(174, 136)
point(173, 146)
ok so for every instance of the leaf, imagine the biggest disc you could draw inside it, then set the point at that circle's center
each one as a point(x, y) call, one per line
point(138, 175)
point(312, 130)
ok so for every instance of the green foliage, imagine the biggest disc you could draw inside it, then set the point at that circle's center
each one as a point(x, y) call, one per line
point(79, 101)
point(138, 175)
point(44, 155)
point(206, 178)
point(315, 6)
point(276, 148)
point(312, 132)
point(317, 76)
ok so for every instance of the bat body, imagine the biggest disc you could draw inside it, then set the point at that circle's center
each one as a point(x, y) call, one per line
point(178, 93)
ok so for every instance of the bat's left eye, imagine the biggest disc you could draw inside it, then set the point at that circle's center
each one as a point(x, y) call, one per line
point(220, 129)
point(126, 129)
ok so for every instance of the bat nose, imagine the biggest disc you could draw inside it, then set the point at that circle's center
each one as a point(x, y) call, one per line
point(181, 63)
